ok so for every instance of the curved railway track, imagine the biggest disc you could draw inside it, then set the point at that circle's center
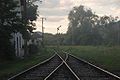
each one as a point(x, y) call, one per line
point(67, 67)
point(39, 71)
point(87, 71)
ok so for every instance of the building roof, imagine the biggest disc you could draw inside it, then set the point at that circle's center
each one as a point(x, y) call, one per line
point(36, 35)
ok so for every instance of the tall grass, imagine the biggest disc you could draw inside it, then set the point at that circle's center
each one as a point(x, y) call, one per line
point(105, 57)
point(10, 68)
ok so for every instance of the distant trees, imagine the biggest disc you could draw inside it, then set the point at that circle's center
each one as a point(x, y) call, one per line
point(82, 26)
point(56, 39)
point(87, 28)
point(50, 39)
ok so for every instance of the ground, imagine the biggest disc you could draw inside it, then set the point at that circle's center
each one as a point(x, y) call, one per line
point(10, 68)
point(105, 57)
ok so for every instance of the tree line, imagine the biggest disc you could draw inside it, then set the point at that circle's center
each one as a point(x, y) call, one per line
point(87, 28)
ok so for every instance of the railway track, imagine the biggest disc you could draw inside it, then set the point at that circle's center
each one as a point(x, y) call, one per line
point(64, 67)
point(87, 71)
point(62, 72)
point(39, 71)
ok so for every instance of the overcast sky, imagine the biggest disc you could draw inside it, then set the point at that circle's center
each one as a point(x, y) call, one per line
point(56, 11)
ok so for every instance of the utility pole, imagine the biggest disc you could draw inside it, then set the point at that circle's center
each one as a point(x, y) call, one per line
point(118, 33)
point(72, 34)
point(24, 19)
point(43, 30)
point(58, 28)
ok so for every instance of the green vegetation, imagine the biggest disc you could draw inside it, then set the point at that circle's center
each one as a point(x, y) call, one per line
point(87, 28)
point(8, 20)
point(12, 22)
point(105, 57)
point(9, 68)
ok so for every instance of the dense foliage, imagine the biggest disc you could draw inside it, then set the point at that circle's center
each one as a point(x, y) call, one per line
point(8, 20)
point(87, 28)
point(31, 14)
point(11, 21)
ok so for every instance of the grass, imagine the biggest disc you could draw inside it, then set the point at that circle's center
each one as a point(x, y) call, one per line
point(105, 57)
point(10, 68)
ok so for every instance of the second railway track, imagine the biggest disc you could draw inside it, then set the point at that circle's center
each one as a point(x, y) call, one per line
point(87, 71)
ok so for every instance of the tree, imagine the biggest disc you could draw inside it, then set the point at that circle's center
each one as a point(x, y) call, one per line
point(87, 28)
point(82, 26)
point(109, 28)
point(31, 14)
point(11, 22)
point(8, 20)
point(50, 39)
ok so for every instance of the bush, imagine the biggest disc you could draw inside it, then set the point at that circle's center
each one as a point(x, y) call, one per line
point(33, 49)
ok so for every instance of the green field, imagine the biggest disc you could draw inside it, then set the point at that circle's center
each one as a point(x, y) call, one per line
point(9, 68)
point(105, 57)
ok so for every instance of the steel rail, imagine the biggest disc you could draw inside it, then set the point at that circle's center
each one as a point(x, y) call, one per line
point(53, 71)
point(105, 71)
point(45, 61)
point(60, 66)
point(69, 67)
point(66, 57)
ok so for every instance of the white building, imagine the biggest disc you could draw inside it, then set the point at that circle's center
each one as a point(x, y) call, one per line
point(18, 43)
point(36, 38)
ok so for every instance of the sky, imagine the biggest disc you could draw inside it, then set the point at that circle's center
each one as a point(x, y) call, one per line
point(56, 12)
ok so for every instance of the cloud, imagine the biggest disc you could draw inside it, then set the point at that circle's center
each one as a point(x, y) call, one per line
point(55, 7)
point(51, 26)
point(66, 3)
point(56, 11)
point(52, 18)
point(53, 12)
point(55, 18)
point(62, 7)
point(49, 3)
point(103, 7)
